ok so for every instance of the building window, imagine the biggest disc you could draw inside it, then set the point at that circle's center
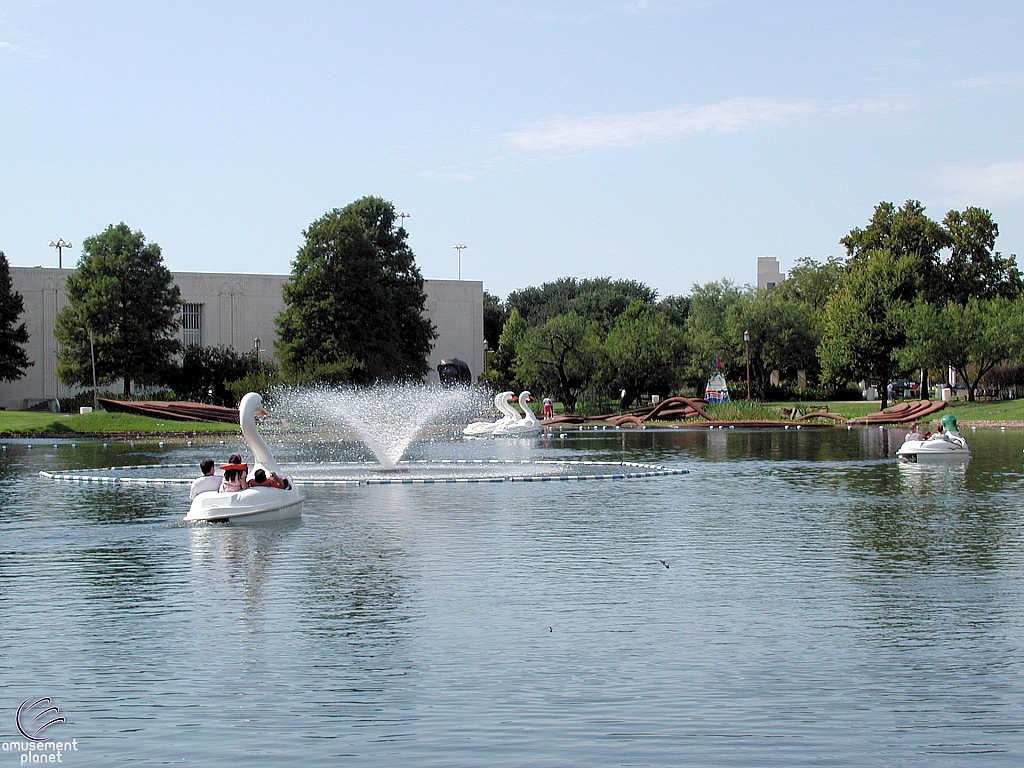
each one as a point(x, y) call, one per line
point(192, 324)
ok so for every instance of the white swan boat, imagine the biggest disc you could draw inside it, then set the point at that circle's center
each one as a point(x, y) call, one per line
point(525, 427)
point(950, 444)
point(486, 428)
point(259, 504)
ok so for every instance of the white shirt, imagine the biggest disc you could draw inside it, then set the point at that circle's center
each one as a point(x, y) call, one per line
point(204, 484)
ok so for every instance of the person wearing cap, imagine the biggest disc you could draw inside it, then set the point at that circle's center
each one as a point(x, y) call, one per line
point(234, 475)
point(913, 434)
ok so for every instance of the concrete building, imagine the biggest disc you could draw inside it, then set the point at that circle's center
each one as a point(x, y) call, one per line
point(232, 310)
point(768, 275)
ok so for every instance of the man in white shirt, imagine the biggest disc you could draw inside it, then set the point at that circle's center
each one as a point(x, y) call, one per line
point(208, 482)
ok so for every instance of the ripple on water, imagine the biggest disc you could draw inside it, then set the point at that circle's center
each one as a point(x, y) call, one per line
point(822, 604)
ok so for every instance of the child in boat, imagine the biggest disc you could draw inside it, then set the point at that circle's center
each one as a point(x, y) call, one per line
point(234, 475)
point(260, 478)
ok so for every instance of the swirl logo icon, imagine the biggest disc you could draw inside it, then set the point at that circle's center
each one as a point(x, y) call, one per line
point(31, 723)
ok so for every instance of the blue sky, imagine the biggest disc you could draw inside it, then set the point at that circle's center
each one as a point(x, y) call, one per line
point(669, 142)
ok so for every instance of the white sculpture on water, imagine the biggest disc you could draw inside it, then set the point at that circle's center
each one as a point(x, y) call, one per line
point(525, 427)
point(259, 504)
point(486, 428)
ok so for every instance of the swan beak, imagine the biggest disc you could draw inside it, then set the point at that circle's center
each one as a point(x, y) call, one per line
point(261, 414)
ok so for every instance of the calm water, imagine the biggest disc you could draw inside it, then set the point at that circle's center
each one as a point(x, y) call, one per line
point(823, 606)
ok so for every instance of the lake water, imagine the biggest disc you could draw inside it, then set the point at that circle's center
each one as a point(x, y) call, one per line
point(822, 605)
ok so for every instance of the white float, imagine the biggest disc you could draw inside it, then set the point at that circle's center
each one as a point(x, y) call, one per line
point(259, 504)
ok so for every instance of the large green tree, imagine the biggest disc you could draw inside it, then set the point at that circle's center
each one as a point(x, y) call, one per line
point(904, 232)
point(355, 301)
point(708, 334)
point(975, 269)
point(643, 352)
point(783, 332)
point(561, 356)
point(122, 293)
point(864, 327)
point(597, 299)
point(13, 335)
point(972, 338)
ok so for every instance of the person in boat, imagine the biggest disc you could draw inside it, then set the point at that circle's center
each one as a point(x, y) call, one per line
point(913, 434)
point(260, 478)
point(234, 475)
point(207, 483)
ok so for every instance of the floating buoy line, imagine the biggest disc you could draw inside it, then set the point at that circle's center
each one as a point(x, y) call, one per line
point(621, 470)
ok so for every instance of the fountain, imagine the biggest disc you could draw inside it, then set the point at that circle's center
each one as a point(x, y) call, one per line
point(313, 425)
point(386, 418)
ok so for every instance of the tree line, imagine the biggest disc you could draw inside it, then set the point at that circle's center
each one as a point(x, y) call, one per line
point(911, 294)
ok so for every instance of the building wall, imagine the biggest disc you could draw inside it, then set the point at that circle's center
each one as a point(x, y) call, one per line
point(768, 275)
point(235, 309)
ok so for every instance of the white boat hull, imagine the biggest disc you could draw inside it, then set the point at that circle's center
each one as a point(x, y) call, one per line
point(926, 450)
point(253, 505)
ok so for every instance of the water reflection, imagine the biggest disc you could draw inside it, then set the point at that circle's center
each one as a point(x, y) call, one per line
point(824, 604)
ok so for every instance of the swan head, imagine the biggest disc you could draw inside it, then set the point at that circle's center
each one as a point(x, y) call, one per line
point(250, 407)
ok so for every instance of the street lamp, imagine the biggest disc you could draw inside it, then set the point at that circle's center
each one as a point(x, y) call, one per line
point(403, 216)
point(256, 346)
point(460, 248)
point(746, 340)
point(60, 244)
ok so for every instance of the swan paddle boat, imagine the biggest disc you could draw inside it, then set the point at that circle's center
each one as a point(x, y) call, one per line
point(525, 427)
point(257, 504)
point(486, 428)
point(950, 444)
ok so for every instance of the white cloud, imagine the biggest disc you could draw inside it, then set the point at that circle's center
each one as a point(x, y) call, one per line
point(995, 81)
point(566, 134)
point(569, 135)
point(872, 106)
point(1005, 179)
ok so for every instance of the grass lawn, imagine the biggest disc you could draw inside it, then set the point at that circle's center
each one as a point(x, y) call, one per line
point(37, 423)
point(1005, 410)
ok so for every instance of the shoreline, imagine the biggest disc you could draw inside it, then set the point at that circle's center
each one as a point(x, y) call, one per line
point(217, 436)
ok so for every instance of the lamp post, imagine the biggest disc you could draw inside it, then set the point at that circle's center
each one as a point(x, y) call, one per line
point(746, 341)
point(403, 216)
point(460, 248)
point(60, 244)
point(256, 346)
point(92, 355)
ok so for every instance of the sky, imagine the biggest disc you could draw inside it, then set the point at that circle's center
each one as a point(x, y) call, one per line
point(667, 141)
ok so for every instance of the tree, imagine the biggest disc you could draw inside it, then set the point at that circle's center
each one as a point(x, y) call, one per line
point(562, 356)
point(904, 232)
point(502, 362)
point(972, 338)
point(864, 320)
point(122, 293)
point(13, 358)
point(495, 315)
point(783, 335)
point(355, 301)
point(599, 299)
point(642, 352)
point(707, 332)
point(974, 268)
point(813, 283)
point(206, 374)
